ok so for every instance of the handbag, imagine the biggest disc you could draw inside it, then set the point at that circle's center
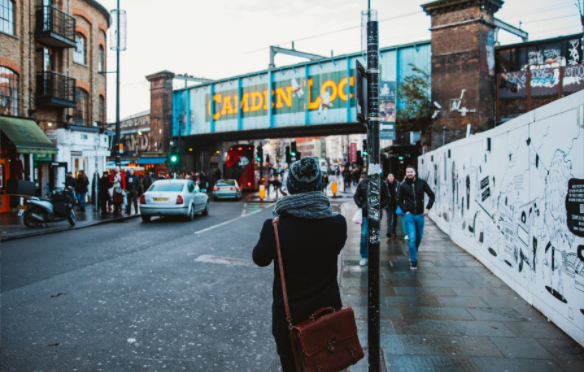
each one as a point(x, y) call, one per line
point(399, 212)
point(327, 341)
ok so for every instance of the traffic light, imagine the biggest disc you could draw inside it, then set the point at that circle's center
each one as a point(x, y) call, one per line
point(260, 153)
point(364, 152)
point(288, 157)
point(293, 150)
point(359, 159)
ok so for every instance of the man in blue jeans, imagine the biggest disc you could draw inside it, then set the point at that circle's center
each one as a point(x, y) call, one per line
point(360, 198)
point(410, 198)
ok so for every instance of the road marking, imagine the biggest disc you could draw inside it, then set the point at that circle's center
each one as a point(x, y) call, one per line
point(223, 260)
point(226, 222)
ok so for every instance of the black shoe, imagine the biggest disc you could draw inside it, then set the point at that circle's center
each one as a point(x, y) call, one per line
point(414, 266)
point(388, 235)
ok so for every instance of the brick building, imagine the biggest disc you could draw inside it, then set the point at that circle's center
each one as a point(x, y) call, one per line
point(52, 55)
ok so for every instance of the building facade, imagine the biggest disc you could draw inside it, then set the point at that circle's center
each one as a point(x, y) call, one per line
point(52, 71)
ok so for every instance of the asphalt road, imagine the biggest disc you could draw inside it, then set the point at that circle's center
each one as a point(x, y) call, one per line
point(169, 295)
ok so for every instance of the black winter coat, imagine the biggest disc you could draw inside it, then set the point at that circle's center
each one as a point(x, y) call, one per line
point(133, 182)
point(360, 196)
point(309, 253)
point(81, 185)
point(410, 197)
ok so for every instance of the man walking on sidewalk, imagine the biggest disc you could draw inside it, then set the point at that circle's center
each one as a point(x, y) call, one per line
point(360, 198)
point(133, 189)
point(410, 198)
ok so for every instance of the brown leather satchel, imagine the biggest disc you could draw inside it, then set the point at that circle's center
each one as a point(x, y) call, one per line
point(327, 341)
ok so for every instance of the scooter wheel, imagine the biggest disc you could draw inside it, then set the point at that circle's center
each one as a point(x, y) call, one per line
point(29, 220)
point(71, 217)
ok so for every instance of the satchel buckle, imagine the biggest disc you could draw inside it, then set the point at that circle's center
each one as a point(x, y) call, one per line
point(289, 324)
point(331, 344)
point(353, 353)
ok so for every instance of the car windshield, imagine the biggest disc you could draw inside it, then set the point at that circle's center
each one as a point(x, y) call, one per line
point(225, 183)
point(167, 186)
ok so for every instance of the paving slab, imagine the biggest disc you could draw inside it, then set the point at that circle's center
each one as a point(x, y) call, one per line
point(449, 345)
point(430, 363)
point(490, 364)
point(462, 301)
point(516, 347)
point(436, 313)
point(451, 328)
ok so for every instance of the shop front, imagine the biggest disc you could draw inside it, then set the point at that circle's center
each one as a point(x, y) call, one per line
point(153, 165)
point(25, 154)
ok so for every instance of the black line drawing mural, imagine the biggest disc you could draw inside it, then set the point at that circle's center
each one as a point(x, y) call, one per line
point(530, 222)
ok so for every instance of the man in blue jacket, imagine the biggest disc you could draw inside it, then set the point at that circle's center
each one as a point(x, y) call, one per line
point(410, 198)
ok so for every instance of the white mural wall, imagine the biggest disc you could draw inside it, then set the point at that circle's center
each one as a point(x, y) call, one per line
point(519, 207)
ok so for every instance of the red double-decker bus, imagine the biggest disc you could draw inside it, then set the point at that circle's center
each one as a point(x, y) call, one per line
point(241, 166)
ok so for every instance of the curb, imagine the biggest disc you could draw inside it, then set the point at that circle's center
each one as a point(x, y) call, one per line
point(24, 236)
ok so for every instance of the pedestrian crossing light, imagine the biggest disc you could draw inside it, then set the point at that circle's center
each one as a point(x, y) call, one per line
point(293, 154)
point(400, 157)
point(173, 159)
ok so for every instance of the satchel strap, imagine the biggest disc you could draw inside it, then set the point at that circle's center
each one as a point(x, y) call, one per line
point(275, 222)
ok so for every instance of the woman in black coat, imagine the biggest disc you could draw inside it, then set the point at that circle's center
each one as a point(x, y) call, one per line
point(311, 238)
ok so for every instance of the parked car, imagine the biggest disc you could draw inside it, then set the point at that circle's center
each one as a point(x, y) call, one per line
point(173, 198)
point(226, 189)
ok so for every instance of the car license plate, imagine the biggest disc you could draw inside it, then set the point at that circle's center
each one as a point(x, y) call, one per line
point(22, 209)
point(160, 199)
point(225, 188)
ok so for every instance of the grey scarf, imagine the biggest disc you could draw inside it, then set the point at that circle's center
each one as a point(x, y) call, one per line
point(313, 205)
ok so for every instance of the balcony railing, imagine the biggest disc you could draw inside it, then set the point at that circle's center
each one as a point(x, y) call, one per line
point(54, 89)
point(54, 27)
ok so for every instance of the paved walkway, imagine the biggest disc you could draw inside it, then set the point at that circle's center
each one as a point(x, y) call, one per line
point(12, 227)
point(452, 314)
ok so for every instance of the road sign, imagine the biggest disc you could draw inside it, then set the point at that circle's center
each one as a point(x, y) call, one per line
point(386, 130)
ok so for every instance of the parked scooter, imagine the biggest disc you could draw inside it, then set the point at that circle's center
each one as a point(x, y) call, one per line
point(58, 207)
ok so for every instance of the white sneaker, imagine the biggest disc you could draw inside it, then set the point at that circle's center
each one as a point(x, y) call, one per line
point(406, 237)
point(363, 262)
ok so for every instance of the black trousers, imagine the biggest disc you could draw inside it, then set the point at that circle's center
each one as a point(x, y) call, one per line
point(286, 355)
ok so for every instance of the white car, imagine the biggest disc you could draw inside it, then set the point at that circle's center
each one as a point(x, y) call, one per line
point(173, 198)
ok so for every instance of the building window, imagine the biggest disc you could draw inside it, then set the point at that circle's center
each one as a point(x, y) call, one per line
point(8, 91)
point(79, 52)
point(101, 60)
point(101, 110)
point(7, 17)
point(81, 112)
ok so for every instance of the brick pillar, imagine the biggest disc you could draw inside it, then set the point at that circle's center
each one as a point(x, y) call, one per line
point(160, 111)
point(463, 57)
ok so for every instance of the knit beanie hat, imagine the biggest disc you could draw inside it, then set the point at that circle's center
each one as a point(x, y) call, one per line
point(304, 175)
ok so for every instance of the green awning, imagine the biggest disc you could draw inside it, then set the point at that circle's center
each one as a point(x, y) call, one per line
point(26, 136)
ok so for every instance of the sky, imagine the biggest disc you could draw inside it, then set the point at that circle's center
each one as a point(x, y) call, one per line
point(217, 39)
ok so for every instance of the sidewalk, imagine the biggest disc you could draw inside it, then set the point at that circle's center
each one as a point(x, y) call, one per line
point(452, 314)
point(12, 227)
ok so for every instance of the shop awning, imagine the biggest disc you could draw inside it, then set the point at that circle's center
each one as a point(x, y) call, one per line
point(113, 163)
point(151, 161)
point(26, 136)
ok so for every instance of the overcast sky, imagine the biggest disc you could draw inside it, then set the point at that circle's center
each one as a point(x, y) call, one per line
point(222, 38)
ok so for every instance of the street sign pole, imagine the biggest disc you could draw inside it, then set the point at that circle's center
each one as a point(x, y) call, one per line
point(118, 135)
point(373, 192)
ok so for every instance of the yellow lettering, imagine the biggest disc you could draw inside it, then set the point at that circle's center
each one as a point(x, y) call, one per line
point(266, 100)
point(235, 101)
point(312, 105)
point(342, 94)
point(352, 80)
point(257, 101)
point(329, 84)
point(286, 96)
point(245, 102)
point(227, 108)
point(216, 98)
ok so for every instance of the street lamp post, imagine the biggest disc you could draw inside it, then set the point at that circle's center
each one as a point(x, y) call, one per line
point(373, 191)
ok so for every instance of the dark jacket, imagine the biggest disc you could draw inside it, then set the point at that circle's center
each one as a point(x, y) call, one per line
point(309, 253)
point(81, 185)
point(132, 182)
point(104, 185)
point(70, 181)
point(360, 196)
point(410, 196)
point(148, 181)
point(392, 195)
